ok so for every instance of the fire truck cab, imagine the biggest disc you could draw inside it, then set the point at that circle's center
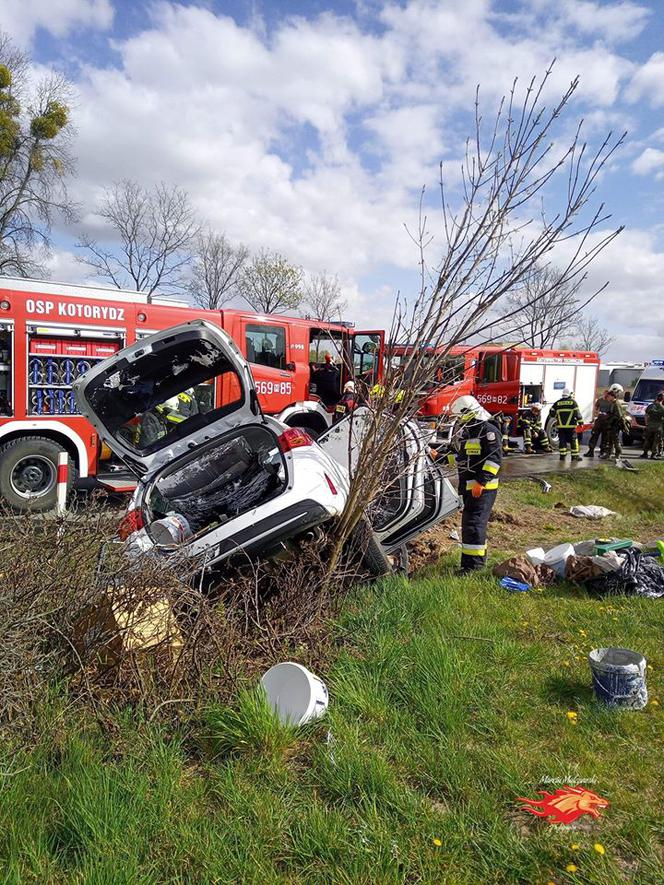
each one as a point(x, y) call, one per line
point(52, 333)
point(506, 379)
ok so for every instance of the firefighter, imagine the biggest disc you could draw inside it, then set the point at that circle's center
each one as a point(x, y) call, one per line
point(347, 403)
point(535, 438)
point(616, 422)
point(504, 423)
point(327, 380)
point(654, 427)
point(568, 416)
point(602, 407)
point(478, 456)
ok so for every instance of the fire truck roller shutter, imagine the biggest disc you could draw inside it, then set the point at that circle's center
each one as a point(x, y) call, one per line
point(29, 470)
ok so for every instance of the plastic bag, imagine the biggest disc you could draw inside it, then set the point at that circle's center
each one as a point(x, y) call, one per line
point(639, 576)
point(591, 511)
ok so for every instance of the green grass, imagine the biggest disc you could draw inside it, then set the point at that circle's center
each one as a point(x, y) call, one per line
point(449, 699)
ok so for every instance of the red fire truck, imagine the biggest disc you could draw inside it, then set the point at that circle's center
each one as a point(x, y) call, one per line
point(50, 333)
point(506, 378)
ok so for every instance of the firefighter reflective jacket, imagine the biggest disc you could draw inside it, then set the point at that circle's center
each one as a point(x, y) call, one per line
point(566, 412)
point(478, 455)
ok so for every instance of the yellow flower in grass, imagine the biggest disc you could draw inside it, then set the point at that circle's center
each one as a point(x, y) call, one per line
point(599, 848)
point(572, 716)
point(437, 842)
point(583, 632)
point(655, 702)
point(575, 846)
point(571, 868)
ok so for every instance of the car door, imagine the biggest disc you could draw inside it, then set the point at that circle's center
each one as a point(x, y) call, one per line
point(142, 401)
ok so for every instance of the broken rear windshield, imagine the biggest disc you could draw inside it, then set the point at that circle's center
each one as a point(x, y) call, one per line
point(167, 390)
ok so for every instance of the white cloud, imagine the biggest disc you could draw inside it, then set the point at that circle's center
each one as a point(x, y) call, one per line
point(21, 18)
point(648, 81)
point(651, 160)
point(632, 305)
point(615, 22)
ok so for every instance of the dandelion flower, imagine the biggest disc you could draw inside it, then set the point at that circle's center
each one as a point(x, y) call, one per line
point(575, 846)
point(437, 842)
point(571, 868)
point(572, 716)
point(599, 848)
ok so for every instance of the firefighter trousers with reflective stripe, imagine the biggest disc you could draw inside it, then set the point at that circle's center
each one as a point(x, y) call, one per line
point(568, 441)
point(474, 521)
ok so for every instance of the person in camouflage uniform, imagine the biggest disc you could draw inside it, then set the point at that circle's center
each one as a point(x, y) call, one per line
point(652, 440)
point(615, 425)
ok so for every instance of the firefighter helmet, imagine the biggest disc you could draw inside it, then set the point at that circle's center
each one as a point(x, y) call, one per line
point(466, 407)
point(536, 406)
point(618, 389)
point(349, 387)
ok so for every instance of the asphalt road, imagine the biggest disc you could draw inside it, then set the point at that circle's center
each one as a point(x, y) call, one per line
point(517, 466)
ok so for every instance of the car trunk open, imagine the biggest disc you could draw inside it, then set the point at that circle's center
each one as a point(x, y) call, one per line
point(219, 481)
point(156, 399)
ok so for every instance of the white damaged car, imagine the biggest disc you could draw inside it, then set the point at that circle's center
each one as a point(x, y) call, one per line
point(216, 478)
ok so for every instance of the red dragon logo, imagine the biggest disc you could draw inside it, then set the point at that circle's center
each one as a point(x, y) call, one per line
point(566, 805)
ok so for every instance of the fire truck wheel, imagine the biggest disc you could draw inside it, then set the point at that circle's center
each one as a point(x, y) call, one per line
point(552, 433)
point(28, 473)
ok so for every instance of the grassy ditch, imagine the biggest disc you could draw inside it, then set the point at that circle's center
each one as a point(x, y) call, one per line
point(450, 698)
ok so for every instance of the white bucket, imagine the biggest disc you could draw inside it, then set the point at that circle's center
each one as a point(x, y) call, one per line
point(536, 555)
point(296, 694)
point(558, 556)
point(173, 529)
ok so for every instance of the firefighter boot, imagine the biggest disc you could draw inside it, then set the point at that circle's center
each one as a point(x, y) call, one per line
point(590, 453)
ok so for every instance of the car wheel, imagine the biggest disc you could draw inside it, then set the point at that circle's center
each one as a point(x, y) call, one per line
point(374, 558)
point(28, 473)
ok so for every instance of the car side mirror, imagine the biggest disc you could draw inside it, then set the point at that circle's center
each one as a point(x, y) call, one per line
point(628, 396)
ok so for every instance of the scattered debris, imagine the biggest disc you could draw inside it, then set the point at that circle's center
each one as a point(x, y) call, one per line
point(514, 586)
point(619, 677)
point(454, 535)
point(639, 575)
point(520, 569)
point(622, 464)
point(591, 511)
point(120, 624)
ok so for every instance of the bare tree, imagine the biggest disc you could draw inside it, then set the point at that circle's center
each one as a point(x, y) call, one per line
point(589, 335)
point(492, 239)
point(271, 284)
point(539, 309)
point(323, 299)
point(215, 270)
point(35, 161)
point(155, 229)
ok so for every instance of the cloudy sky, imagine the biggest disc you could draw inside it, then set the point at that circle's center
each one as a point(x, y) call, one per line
point(310, 127)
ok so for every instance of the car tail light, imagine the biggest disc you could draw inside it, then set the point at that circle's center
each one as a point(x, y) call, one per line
point(132, 522)
point(294, 438)
point(332, 486)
